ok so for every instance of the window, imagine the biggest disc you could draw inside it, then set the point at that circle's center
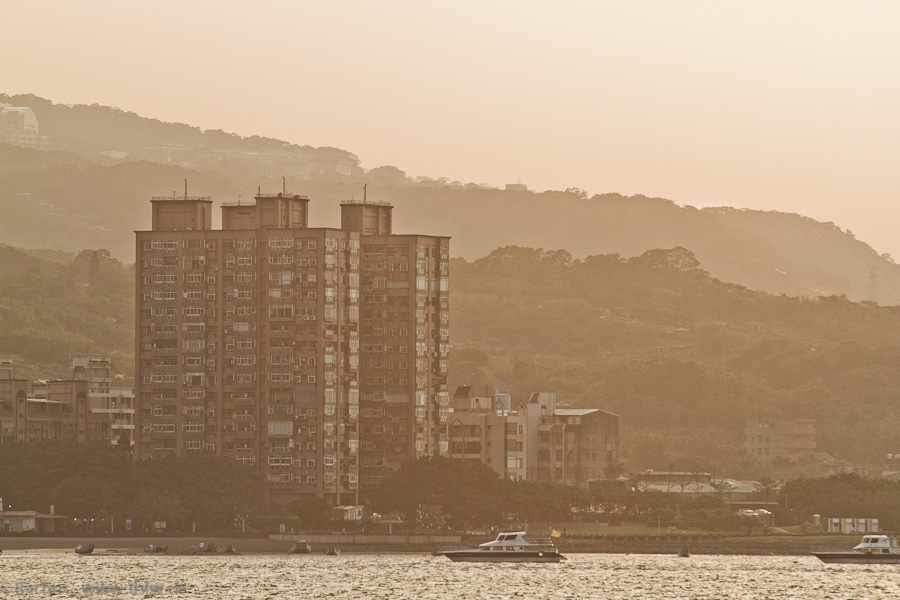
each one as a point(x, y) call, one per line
point(280, 427)
point(282, 243)
point(281, 311)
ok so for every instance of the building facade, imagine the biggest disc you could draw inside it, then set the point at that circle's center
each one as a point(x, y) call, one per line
point(769, 439)
point(19, 127)
point(259, 341)
point(540, 440)
point(110, 407)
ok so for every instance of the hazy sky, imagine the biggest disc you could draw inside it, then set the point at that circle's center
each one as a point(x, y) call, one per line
point(783, 105)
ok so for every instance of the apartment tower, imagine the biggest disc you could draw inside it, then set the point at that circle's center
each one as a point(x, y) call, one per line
point(250, 342)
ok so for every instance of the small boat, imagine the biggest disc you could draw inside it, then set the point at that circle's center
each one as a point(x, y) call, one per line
point(874, 549)
point(301, 547)
point(204, 548)
point(82, 549)
point(333, 551)
point(509, 547)
point(229, 549)
point(151, 549)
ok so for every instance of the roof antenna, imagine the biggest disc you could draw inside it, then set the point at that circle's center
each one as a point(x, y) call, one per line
point(365, 185)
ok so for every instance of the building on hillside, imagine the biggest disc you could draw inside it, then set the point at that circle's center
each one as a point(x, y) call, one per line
point(771, 439)
point(19, 127)
point(301, 163)
point(315, 354)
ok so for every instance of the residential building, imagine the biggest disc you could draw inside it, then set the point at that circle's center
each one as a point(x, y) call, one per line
point(251, 342)
point(110, 407)
point(770, 439)
point(574, 445)
point(19, 126)
point(542, 440)
point(404, 335)
point(478, 429)
point(50, 410)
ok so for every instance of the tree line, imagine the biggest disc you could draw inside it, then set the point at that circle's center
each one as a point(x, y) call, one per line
point(99, 482)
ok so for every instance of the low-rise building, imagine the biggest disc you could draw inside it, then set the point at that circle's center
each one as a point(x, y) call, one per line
point(770, 439)
point(84, 408)
point(541, 440)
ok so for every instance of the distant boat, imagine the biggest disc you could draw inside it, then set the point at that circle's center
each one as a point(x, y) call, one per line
point(204, 548)
point(82, 549)
point(333, 552)
point(151, 549)
point(301, 547)
point(229, 549)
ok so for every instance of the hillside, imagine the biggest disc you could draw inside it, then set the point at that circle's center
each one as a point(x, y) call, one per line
point(682, 357)
point(49, 310)
point(54, 199)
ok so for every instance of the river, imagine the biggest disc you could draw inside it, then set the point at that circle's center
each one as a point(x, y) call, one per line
point(59, 575)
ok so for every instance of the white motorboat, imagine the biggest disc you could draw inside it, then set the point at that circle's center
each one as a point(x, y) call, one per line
point(509, 547)
point(874, 549)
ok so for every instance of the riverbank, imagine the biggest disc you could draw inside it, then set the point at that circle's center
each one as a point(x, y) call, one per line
point(761, 545)
point(757, 545)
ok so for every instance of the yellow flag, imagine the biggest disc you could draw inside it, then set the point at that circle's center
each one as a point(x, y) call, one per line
point(555, 533)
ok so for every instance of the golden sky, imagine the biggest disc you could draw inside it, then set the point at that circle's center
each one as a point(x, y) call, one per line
point(777, 105)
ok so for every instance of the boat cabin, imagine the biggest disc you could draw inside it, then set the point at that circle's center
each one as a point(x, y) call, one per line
point(877, 544)
point(514, 541)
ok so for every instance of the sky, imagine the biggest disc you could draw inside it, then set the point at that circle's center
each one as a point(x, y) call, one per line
point(773, 105)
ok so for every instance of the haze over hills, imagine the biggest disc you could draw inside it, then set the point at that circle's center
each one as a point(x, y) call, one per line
point(97, 187)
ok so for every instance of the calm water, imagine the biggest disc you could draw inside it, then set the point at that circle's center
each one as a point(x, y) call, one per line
point(395, 577)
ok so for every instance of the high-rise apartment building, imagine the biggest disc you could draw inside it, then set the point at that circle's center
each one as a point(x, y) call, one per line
point(260, 341)
point(405, 341)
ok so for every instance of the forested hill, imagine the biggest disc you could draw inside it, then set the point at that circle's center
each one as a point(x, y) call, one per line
point(683, 358)
point(53, 306)
point(57, 199)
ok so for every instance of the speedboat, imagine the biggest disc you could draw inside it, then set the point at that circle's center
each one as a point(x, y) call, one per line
point(874, 549)
point(509, 547)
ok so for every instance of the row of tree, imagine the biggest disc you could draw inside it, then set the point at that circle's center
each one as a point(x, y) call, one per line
point(95, 481)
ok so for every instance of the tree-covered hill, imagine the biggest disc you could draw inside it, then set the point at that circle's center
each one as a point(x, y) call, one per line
point(682, 357)
point(49, 310)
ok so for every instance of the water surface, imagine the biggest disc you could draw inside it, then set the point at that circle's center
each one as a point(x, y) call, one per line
point(422, 577)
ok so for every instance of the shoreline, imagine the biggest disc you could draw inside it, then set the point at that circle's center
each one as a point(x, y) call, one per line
point(736, 545)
